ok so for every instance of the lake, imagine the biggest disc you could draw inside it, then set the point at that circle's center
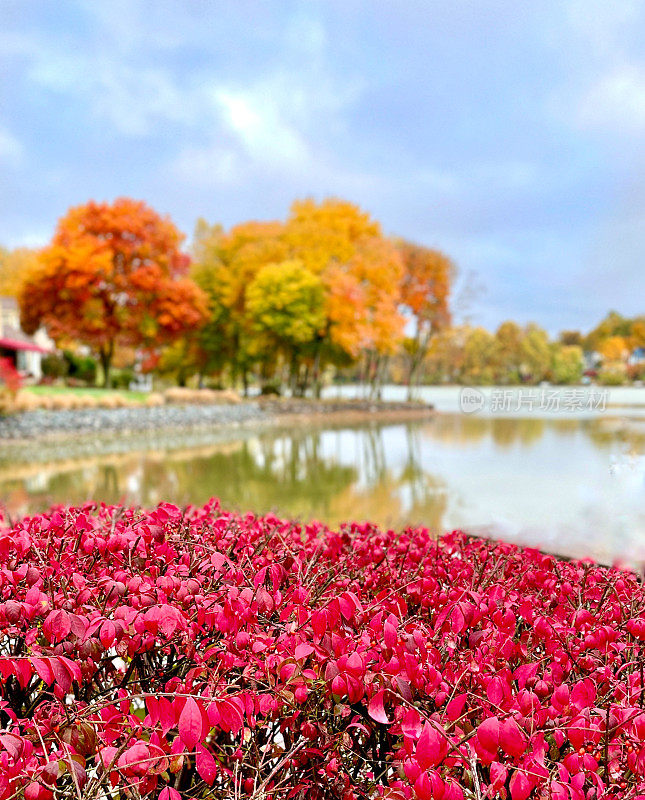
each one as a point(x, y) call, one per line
point(568, 479)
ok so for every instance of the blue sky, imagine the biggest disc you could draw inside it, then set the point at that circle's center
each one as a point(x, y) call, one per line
point(511, 135)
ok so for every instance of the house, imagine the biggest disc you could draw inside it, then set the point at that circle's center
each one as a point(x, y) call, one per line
point(25, 352)
point(637, 357)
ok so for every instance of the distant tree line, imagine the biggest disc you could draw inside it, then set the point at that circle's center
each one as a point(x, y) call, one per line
point(284, 304)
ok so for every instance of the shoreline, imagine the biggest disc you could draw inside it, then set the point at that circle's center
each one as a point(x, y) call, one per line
point(87, 425)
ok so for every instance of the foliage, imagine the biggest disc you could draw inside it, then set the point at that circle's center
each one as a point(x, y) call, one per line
point(10, 379)
point(113, 276)
point(355, 310)
point(478, 357)
point(81, 368)
point(509, 355)
point(613, 349)
point(171, 654)
point(568, 364)
point(15, 268)
point(54, 365)
point(425, 288)
point(614, 375)
point(286, 302)
point(225, 264)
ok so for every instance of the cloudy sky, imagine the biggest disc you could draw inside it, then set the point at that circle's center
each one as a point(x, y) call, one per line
point(509, 134)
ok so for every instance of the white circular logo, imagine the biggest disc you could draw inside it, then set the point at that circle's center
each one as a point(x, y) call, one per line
point(471, 400)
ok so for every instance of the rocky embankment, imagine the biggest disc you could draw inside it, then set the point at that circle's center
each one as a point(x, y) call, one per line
point(63, 423)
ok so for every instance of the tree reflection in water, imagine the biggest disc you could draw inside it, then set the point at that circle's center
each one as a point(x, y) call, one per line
point(333, 473)
point(453, 470)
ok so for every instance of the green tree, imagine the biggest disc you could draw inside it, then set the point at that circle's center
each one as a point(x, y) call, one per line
point(478, 357)
point(225, 264)
point(508, 352)
point(568, 364)
point(536, 354)
point(286, 304)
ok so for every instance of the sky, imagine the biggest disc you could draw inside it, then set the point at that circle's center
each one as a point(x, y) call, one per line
point(509, 134)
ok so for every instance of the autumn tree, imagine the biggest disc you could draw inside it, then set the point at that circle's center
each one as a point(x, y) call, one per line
point(508, 352)
point(568, 364)
point(613, 349)
point(286, 303)
point(425, 289)
point(113, 276)
point(225, 265)
point(361, 271)
point(358, 269)
point(478, 357)
point(15, 268)
point(614, 324)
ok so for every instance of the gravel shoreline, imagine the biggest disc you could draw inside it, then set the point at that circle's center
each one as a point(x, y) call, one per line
point(46, 424)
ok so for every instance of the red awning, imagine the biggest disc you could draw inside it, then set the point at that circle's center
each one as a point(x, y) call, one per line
point(15, 344)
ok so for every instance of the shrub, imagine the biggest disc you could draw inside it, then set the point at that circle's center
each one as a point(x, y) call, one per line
point(122, 378)
point(182, 394)
point(172, 654)
point(54, 365)
point(81, 368)
point(612, 376)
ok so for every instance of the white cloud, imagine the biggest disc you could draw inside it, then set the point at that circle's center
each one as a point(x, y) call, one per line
point(11, 149)
point(258, 122)
point(616, 101)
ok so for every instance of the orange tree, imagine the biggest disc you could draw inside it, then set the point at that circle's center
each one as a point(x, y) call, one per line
point(113, 276)
point(425, 290)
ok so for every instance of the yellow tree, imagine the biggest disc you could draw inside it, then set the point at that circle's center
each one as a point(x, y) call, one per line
point(360, 271)
point(225, 264)
point(509, 354)
point(286, 303)
point(614, 349)
point(15, 268)
point(427, 277)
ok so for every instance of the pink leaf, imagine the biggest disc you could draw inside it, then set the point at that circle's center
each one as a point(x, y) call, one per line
point(303, 650)
point(411, 723)
point(376, 710)
point(168, 793)
point(206, 765)
point(190, 724)
point(431, 747)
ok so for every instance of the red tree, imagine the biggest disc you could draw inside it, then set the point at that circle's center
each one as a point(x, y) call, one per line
point(113, 276)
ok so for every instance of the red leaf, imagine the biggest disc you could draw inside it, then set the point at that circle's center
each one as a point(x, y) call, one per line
point(190, 724)
point(519, 785)
point(376, 710)
point(44, 670)
point(168, 793)
point(411, 723)
point(431, 747)
point(303, 650)
point(206, 765)
point(511, 738)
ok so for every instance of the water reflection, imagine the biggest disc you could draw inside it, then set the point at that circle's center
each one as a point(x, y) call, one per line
point(552, 483)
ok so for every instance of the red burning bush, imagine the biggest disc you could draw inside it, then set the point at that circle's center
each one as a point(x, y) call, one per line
point(202, 654)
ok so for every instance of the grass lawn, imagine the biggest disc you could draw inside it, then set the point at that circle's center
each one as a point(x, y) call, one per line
point(91, 391)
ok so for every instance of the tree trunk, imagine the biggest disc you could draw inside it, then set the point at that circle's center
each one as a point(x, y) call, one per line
point(105, 356)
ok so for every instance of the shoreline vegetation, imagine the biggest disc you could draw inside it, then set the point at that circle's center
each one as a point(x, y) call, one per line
point(57, 424)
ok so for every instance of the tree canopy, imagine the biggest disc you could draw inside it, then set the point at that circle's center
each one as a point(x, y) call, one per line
point(113, 276)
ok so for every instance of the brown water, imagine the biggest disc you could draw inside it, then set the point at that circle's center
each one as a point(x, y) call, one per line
point(573, 485)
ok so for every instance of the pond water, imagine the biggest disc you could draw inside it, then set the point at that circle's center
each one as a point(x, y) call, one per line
point(570, 481)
